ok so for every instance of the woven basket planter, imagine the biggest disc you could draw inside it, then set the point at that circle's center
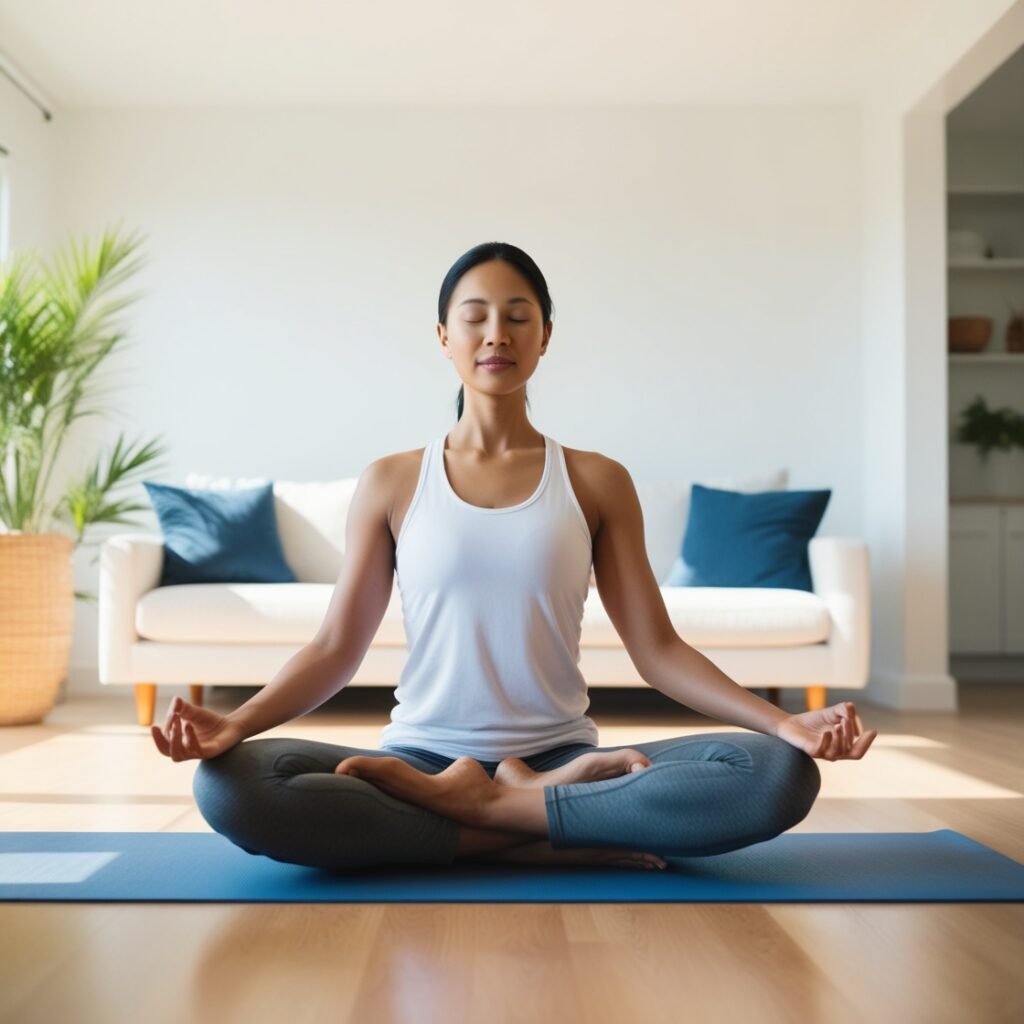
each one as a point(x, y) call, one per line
point(37, 610)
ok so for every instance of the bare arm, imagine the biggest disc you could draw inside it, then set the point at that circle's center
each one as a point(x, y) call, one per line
point(361, 594)
point(631, 596)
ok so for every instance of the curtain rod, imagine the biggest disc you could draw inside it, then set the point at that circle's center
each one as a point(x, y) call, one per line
point(6, 71)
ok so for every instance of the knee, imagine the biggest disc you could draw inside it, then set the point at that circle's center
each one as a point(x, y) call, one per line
point(219, 787)
point(796, 783)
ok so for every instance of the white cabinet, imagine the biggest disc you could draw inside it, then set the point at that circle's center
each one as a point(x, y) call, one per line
point(986, 579)
point(1013, 563)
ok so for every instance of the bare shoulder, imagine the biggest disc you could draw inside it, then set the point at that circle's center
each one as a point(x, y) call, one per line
point(398, 462)
point(393, 468)
point(601, 484)
point(597, 471)
point(393, 478)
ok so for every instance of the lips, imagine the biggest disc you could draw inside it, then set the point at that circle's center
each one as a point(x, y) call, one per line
point(496, 362)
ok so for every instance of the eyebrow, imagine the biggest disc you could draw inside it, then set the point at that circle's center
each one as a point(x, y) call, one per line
point(518, 298)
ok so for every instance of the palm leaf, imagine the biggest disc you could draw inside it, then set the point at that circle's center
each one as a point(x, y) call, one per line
point(59, 323)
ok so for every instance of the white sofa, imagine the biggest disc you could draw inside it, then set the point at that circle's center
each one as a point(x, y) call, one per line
point(243, 633)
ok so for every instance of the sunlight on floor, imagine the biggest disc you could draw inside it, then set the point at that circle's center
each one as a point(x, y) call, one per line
point(111, 775)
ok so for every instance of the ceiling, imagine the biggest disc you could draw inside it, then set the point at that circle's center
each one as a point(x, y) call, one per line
point(145, 53)
point(997, 105)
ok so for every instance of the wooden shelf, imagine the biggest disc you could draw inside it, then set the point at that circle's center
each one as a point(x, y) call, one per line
point(986, 357)
point(997, 263)
point(989, 191)
point(990, 499)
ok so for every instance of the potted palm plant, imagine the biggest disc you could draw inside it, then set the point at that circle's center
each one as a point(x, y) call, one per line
point(58, 322)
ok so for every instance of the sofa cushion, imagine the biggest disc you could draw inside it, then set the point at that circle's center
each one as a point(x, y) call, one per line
point(311, 516)
point(666, 507)
point(749, 540)
point(275, 613)
point(218, 537)
point(311, 519)
point(726, 617)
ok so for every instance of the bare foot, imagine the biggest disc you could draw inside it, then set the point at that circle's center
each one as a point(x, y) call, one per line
point(463, 791)
point(585, 768)
point(542, 852)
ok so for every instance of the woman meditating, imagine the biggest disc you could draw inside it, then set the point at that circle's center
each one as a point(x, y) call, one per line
point(492, 529)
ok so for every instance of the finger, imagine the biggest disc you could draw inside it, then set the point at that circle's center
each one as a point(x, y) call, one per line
point(176, 750)
point(839, 737)
point(830, 748)
point(823, 746)
point(861, 746)
point(848, 736)
point(194, 746)
point(839, 741)
point(171, 710)
point(818, 750)
point(833, 744)
point(856, 752)
point(183, 752)
point(847, 719)
point(160, 739)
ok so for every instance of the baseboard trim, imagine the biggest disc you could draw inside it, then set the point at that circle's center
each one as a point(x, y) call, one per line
point(907, 692)
point(982, 668)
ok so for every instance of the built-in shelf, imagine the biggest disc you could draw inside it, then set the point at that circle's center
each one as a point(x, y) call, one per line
point(997, 263)
point(1009, 191)
point(988, 499)
point(987, 357)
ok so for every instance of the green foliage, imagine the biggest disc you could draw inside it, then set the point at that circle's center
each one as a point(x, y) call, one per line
point(990, 428)
point(58, 323)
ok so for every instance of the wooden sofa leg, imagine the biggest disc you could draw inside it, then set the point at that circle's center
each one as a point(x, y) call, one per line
point(815, 698)
point(145, 702)
point(195, 694)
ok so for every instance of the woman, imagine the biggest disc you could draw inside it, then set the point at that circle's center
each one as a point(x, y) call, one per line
point(489, 755)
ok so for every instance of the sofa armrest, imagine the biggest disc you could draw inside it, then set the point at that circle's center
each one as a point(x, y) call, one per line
point(130, 565)
point(841, 578)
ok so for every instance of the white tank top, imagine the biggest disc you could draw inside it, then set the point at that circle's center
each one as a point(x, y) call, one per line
point(492, 603)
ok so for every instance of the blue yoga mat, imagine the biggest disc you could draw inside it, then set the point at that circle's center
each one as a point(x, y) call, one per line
point(939, 866)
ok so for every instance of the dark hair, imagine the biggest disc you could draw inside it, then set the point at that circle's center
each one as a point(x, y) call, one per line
point(482, 253)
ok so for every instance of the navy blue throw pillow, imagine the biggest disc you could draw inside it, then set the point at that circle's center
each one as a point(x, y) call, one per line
point(734, 539)
point(219, 536)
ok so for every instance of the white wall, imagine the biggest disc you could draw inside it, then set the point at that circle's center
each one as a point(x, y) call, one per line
point(30, 165)
point(906, 509)
point(704, 263)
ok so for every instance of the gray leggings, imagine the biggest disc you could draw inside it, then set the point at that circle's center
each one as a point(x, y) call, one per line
point(700, 795)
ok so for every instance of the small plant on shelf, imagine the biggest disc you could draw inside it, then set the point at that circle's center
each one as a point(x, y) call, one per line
point(990, 428)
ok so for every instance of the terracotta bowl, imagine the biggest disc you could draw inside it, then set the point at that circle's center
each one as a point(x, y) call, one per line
point(969, 333)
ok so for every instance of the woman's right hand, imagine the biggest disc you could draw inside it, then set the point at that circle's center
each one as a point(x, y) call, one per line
point(192, 731)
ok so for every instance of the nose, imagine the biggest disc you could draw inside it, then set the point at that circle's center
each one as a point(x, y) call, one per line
point(496, 336)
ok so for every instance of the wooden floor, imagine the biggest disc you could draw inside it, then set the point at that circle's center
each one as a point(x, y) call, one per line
point(90, 767)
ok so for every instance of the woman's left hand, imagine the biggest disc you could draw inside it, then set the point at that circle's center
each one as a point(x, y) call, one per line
point(834, 733)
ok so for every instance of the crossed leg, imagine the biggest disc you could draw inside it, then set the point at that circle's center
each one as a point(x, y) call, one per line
point(502, 818)
point(281, 798)
point(698, 795)
point(695, 796)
